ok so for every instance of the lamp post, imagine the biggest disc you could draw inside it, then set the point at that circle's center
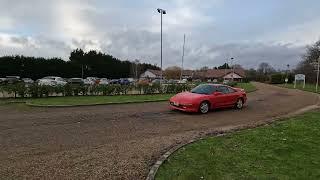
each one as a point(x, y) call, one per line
point(318, 74)
point(161, 11)
point(184, 42)
point(232, 68)
point(136, 62)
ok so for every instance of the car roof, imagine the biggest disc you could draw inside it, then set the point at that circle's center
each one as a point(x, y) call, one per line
point(216, 85)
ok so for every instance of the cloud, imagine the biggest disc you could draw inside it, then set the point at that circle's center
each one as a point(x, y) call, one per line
point(131, 30)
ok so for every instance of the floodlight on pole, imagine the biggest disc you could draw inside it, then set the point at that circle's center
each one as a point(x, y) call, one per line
point(161, 11)
point(182, 59)
point(232, 68)
point(318, 74)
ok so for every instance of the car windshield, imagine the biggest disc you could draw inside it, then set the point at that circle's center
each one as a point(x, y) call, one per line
point(203, 89)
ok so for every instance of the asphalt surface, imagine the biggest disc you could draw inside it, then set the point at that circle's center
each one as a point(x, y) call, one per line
point(118, 141)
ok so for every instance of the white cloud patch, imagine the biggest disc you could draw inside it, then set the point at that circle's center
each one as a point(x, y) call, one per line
point(131, 30)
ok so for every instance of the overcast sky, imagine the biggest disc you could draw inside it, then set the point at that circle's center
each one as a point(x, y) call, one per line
point(251, 31)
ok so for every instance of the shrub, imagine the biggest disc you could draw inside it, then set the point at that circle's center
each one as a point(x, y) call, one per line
point(59, 90)
point(106, 89)
point(68, 91)
point(45, 90)
point(33, 90)
point(277, 78)
point(245, 80)
point(232, 83)
point(21, 89)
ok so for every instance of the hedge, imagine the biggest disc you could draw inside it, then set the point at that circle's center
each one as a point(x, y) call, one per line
point(37, 91)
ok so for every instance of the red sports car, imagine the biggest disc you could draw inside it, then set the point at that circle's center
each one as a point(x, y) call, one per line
point(208, 96)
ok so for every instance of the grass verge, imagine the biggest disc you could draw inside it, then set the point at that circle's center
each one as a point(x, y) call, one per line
point(308, 87)
point(248, 87)
point(94, 100)
point(286, 149)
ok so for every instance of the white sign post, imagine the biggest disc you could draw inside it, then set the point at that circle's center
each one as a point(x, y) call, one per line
point(299, 77)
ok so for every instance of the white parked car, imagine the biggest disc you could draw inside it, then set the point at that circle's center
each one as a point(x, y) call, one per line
point(3, 80)
point(104, 81)
point(89, 82)
point(27, 80)
point(226, 81)
point(52, 81)
point(183, 81)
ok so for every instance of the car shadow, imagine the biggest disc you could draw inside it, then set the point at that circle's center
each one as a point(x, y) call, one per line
point(218, 110)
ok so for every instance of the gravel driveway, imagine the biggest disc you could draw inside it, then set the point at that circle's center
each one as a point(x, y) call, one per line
point(118, 141)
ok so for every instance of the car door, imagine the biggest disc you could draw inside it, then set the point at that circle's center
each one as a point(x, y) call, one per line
point(232, 96)
point(217, 100)
point(223, 99)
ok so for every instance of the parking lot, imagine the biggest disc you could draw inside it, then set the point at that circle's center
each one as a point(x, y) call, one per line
point(118, 141)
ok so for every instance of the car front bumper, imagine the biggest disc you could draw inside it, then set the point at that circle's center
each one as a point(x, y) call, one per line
point(189, 108)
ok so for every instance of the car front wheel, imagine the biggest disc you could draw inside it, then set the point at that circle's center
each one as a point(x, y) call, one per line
point(204, 107)
point(239, 104)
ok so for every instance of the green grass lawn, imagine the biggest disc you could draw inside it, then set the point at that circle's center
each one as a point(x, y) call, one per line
point(248, 87)
point(90, 100)
point(308, 87)
point(287, 149)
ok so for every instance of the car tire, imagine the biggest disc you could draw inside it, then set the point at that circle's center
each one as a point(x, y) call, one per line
point(204, 107)
point(239, 104)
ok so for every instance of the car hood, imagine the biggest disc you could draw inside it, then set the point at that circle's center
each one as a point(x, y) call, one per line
point(186, 97)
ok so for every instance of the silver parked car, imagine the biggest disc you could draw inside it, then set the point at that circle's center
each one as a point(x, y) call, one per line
point(27, 80)
point(104, 81)
point(52, 81)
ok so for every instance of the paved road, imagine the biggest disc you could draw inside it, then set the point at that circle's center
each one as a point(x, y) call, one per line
point(118, 141)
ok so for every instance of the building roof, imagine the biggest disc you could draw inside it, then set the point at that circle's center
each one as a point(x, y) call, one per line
point(219, 73)
point(187, 72)
point(155, 72)
point(210, 73)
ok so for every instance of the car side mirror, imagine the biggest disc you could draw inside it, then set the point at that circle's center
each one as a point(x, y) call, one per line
point(217, 93)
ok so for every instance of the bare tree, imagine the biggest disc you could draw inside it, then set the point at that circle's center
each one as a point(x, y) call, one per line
point(172, 72)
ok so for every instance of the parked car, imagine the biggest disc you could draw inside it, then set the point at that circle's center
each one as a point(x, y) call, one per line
point(78, 81)
point(143, 81)
point(46, 82)
point(124, 82)
point(171, 81)
point(197, 81)
point(2, 80)
point(131, 80)
point(158, 81)
point(91, 81)
point(114, 81)
point(52, 81)
point(104, 81)
point(12, 79)
point(27, 80)
point(183, 81)
point(208, 96)
point(226, 81)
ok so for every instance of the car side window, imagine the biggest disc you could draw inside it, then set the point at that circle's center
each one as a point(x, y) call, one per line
point(231, 90)
point(223, 90)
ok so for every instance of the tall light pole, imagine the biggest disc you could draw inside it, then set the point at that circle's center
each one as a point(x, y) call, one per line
point(318, 74)
point(287, 74)
point(136, 62)
point(232, 68)
point(161, 11)
point(184, 42)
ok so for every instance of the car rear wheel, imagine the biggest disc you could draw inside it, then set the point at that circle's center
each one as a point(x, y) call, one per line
point(239, 104)
point(204, 107)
